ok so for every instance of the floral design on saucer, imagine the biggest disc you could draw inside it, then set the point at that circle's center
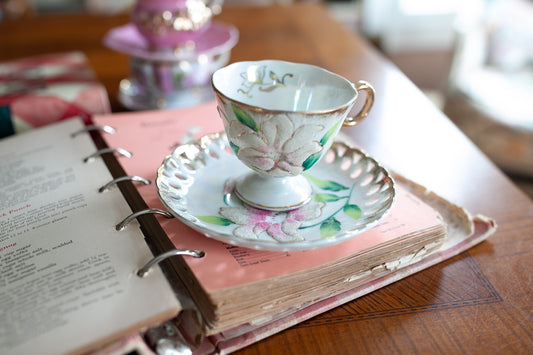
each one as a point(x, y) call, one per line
point(251, 222)
point(284, 227)
point(351, 194)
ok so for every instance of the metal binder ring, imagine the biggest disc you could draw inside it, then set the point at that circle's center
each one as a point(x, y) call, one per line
point(156, 260)
point(104, 128)
point(134, 215)
point(121, 151)
point(123, 178)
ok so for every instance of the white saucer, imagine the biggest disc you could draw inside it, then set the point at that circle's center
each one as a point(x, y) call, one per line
point(352, 193)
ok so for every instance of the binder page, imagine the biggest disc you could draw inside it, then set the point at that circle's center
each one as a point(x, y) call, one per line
point(67, 277)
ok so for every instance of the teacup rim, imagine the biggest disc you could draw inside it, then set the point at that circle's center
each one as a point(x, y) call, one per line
point(257, 108)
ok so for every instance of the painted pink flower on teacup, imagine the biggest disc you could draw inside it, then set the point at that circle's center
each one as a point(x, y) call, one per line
point(252, 221)
point(276, 147)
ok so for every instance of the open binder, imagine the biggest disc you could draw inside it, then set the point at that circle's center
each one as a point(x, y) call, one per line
point(68, 278)
point(122, 219)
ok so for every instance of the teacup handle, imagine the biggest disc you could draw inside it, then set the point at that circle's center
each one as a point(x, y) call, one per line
point(361, 85)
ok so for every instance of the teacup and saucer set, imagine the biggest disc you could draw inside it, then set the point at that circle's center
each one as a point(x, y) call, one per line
point(174, 46)
point(277, 179)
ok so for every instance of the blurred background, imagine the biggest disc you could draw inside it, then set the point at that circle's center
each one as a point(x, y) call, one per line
point(473, 59)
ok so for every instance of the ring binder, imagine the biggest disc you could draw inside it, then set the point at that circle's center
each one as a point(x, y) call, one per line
point(99, 152)
point(123, 178)
point(156, 260)
point(134, 215)
point(103, 128)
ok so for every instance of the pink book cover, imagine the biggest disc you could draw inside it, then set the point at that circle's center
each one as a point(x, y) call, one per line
point(48, 88)
point(152, 135)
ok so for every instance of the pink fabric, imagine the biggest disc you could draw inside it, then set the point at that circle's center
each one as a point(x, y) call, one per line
point(49, 88)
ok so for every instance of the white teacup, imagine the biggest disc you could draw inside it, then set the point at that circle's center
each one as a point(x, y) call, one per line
point(280, 119)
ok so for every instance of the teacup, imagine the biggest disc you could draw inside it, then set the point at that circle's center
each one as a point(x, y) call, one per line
point(280, 119)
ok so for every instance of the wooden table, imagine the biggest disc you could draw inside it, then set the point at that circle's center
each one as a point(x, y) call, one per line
point(478, 302)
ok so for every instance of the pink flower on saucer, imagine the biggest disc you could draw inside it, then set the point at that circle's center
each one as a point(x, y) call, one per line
point(281, 226)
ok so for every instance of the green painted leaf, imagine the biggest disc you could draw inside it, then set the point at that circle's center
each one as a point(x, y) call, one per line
point(330, 227)
point(216, 220)
point(234, 147)
point(330, 133)
point(325, 184)
point(309, 162)
point(327, 197)
point(353, 211)
point(245, 118)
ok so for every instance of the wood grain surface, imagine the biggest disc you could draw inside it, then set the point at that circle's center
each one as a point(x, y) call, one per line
point(479, 302)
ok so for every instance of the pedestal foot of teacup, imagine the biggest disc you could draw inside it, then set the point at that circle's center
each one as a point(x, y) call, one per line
point(273, 193)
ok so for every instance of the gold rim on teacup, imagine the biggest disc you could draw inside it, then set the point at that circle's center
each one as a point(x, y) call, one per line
point(360, 85)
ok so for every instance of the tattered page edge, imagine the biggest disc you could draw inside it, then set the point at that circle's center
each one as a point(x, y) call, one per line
point(482, 229)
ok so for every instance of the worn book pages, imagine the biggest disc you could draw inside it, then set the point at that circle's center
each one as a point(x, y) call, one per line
point(67, 278)
point(233, 285)
point(464, 231)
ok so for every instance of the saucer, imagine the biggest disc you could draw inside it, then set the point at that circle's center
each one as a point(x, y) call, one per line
point(352, 193)
point(218, 38)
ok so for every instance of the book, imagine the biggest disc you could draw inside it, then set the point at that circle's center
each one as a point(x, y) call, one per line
point(67, 277)
point(53, 219)
point(234, 295)
point(228, 285)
